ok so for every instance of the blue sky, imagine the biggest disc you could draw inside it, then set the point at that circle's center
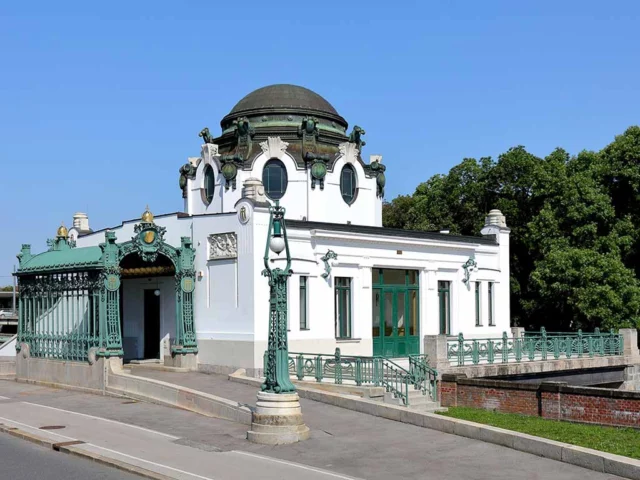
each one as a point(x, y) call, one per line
point(101, 102)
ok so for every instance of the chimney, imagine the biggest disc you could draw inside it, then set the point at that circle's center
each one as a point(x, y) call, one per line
point(81, 222)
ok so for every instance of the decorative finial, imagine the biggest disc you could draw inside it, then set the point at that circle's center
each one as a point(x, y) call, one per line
point(147, 216)
point(62, 231)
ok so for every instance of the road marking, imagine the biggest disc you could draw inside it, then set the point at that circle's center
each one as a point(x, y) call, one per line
point(109, 450)
point(4, 398)
point(104, 420)
point(150, 462)
point(35, 428)
point(291, 464)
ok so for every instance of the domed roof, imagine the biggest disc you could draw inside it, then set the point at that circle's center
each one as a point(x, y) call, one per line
point(283, 96)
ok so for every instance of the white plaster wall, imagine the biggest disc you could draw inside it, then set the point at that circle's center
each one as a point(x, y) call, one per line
point(300, 200)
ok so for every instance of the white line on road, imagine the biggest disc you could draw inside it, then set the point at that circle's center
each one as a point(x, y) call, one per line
point(291, 464)
point(4, 398)
point(35, 428)
point(104, 420)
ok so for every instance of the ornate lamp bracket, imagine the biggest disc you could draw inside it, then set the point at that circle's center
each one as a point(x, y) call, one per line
point(330, 255)
point(469, 266)
point(318, 166)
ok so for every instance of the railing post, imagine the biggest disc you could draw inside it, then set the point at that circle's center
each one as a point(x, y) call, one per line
point(300, 367)
point(358, 371)
point(338, 374)
point(580, 348)
point(460, 349)
point(319, 368)
point(490, 351)
point(475, 353)
point(530, 345)
point(517, 347)
point(556, 347)
point(505, 347)
point(590, 345)
point(543, 346)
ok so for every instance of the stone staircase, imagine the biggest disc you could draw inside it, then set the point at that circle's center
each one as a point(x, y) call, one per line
point(417, 401)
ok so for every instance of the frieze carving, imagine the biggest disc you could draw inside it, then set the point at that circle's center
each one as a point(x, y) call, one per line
point(274, 147)
point(349, 151)
point(223, 245)
point(318, 166)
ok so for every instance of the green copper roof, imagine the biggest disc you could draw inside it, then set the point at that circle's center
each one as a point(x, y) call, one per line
point(63, 260)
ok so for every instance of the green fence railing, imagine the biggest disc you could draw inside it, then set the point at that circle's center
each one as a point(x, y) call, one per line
point(368, 371)
point(533, 346)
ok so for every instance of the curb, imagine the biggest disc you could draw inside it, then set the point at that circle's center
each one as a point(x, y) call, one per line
point(70, 449)
point(563, 452)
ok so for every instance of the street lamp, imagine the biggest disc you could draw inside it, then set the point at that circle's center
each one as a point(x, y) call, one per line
point(277, 418)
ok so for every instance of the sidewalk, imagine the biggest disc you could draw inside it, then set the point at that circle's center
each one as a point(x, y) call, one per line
point(343, 442)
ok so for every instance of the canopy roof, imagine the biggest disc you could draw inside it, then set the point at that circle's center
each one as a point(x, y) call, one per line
point(60, 257)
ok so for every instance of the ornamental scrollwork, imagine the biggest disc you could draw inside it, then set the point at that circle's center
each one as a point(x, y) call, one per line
point(469, 266)
point(330, 255)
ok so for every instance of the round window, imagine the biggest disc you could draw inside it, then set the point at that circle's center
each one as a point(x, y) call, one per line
point(209, 184)
point(348, 184)
point(274, 179)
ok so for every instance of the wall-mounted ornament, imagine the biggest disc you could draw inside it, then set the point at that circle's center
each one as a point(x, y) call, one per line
point(469, 266)
point(229, 165)
point(205, 135)
point(349, 151)
point(309, 132)
point(376, 169)
point(318, 166)
point(223, 246)
point(356, 137)
point(187, 171)
point(274, 147)
point(330, 255)
point(243, 130)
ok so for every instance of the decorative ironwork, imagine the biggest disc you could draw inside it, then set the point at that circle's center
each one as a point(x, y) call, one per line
point(533, 347)
point(469, 266)
point(361, 370)
point(330, 255)
point(276, 365)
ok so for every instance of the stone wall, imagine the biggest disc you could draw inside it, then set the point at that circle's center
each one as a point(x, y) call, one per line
point(555, 400)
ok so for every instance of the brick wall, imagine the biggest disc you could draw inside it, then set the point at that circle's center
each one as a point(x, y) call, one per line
point(555, 400)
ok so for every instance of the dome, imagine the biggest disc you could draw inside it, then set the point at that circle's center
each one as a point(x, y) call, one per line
point(62, 232)
point(147, 216)
point(285, 99)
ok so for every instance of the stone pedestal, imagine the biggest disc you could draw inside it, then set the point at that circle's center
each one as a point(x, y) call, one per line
point(277, 420)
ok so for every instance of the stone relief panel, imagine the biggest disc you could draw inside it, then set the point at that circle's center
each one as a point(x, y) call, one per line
point(349, 151)
point(223, 245)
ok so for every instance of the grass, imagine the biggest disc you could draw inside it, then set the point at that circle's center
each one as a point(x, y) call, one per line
point(620, 441)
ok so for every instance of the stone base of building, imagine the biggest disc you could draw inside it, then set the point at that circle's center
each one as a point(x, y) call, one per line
point(182, 360)
point(91, 375)
point(277, 420)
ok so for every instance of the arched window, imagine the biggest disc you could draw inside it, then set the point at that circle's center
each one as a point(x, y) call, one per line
point(348, 184)
point(274, 179)
point(209, 184)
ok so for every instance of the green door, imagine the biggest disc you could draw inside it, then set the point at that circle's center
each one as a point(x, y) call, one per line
point(395, 313)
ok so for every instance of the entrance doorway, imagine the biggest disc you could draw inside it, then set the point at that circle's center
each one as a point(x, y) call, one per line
point(396, 327)
point(151, 324)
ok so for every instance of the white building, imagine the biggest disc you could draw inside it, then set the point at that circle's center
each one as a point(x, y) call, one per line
point(355, 285)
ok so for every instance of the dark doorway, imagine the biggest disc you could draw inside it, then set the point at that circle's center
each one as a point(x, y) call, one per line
point(151, 324)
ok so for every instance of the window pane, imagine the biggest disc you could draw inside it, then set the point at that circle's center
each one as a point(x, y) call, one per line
point(394, 277)
point(413, 312)
point(376, 275)
point(413, 277)
point(376, 313)
point(274, 179)
point(445, 306)
point(348, 184)
point(303, 303)
point(478, 318)
point(343, 307)
point(401, 313)
point(490, 290)
point(388, 314)
point(209, 184)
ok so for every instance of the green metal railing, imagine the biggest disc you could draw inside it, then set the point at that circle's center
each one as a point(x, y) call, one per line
point(368, 371)
point(533, 346)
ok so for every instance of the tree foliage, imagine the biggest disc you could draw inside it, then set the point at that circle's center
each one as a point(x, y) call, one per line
point(575, 228)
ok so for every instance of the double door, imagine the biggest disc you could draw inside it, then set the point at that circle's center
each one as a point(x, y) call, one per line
point(395, 320)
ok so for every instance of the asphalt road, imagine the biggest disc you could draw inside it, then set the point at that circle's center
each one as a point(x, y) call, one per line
point(23, 460)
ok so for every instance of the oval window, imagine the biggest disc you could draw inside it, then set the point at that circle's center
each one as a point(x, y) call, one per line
point(274, 179)
point(209, 184)
point(348, 184)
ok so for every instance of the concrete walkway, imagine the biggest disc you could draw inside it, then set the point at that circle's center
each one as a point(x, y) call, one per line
point(364, 446)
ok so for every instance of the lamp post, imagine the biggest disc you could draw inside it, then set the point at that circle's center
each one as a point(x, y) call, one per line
point(277, 418)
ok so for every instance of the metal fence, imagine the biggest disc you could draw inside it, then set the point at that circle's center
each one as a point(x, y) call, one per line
point(369, 371)
point(533, 346)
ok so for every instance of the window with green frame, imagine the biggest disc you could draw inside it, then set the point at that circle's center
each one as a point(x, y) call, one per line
point(490, 298)
point(444, 297)
point(343, 307)
point(478, 312)
point(209, 184)
point(304, 322)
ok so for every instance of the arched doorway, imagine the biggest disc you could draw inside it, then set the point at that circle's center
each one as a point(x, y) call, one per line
point(147, 306)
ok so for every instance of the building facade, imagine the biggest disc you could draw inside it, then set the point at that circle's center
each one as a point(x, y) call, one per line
point(189, 284)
